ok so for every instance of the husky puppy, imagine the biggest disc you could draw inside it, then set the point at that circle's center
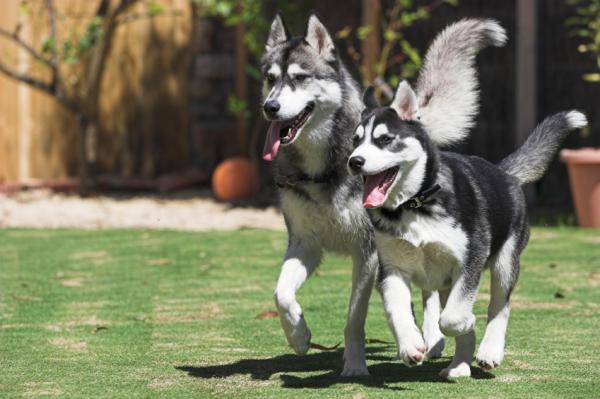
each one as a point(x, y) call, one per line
point(313, 106)
point(440, 218)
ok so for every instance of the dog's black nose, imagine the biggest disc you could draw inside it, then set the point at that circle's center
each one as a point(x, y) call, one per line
point(356, 163)
point(271, 107)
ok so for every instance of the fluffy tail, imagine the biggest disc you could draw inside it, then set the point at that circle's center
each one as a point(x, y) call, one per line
point(447, 88)
point(530, 161)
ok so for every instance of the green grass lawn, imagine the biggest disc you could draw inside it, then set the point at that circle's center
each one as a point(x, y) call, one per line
point(131, 313)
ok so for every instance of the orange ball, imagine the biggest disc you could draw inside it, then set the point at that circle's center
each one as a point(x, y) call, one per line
point(235, 179)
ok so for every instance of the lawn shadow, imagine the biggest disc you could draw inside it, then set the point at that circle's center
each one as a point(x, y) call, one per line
point(389, 371)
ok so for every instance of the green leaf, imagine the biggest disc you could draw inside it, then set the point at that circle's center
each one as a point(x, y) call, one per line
point(48, 44)
point(155, 8)
point(592, 77)
point(363, 31)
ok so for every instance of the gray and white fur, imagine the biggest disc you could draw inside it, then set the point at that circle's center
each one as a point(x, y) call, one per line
point(313, 105)
point(470, 215)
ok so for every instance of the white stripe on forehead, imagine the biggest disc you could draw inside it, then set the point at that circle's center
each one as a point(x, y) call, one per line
point(274, 70)
point(380, 130)
point(369, 127)
point(295, 69)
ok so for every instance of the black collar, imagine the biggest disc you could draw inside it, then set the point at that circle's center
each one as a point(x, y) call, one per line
point(292, 180)
point(422, 198)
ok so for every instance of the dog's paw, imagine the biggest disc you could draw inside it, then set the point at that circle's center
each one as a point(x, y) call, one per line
point(299, 339)
point(435, 348)
point(412, 350)
point(489, 356)
point(355, 370)
point(456, 371)
point(454, 324)
point(296, 331)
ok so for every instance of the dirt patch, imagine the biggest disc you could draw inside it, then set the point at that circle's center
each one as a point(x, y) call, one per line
point(44, 209)
point(41, 389)
point(71, 282)
point(88, 255)
point(167, 313)
point(521, 303)
point(543, 235)
point(161, 383)
point(592, 240)
point(90, 321)
point(70, 344)
point(508, 378)
point(159, 262)
point(594, 279)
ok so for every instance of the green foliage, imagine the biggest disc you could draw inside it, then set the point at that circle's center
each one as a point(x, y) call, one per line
point(237, 107)
point(586, 25)
point(398, 58)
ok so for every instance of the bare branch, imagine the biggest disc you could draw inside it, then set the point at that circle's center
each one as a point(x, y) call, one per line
point(18, 41)
point(51, 11)
point(24, 78)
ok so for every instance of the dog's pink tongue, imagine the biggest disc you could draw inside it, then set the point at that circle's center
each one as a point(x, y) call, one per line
point(272, 141)
point(374, 190)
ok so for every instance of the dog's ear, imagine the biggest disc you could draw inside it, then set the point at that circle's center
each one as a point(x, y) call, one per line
point(318, 37)
point(405, 102)
point(369, 99)
point(278, 33)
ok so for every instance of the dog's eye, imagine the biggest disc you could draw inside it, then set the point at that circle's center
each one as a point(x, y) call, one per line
point(355, 139)
point(271, 78)
point(385, 139)
point(301, 78)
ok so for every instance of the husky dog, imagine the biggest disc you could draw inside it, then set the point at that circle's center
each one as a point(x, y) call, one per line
point(440, 218)
point(313, 106)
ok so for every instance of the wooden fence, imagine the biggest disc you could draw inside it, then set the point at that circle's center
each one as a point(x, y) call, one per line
point(144, 124)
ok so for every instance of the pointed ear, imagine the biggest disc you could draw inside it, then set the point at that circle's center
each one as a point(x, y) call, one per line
point(318, 37)
point(405, 103)
point(278, 34)
point(369, 99)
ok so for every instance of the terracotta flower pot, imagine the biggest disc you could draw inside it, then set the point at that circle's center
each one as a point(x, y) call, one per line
point(584, 174)
point(235, 179)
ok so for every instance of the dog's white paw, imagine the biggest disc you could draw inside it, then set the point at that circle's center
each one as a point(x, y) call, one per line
point(411, 349)
point(461, 369)
point(435, 347)
point(454, 324)
point(489, 356)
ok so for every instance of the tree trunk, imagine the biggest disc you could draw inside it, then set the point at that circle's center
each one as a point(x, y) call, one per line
point(85, 183)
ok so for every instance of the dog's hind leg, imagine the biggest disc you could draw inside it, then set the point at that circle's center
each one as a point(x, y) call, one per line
point(299, 262)
point(505, 270)
point(434, 339)
point(460, 366)
point(365, 265)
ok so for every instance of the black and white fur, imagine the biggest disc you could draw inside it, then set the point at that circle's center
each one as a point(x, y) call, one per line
point(477, 219)
point(310, 96)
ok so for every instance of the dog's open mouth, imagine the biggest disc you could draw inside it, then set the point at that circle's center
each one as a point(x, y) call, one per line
point(284, 132)
point(376, 187)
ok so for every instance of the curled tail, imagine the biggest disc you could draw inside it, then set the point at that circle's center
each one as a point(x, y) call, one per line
point(447, 88)
point(530, 161)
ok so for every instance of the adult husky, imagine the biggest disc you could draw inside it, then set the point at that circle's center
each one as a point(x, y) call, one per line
point(314, 105)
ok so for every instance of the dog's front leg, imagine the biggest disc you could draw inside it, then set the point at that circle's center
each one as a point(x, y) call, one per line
point(299, 262)
point(365, 265)
point(395, 291)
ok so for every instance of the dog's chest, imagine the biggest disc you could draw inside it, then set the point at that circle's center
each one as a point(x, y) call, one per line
point(334, 221)
point(429, 249)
